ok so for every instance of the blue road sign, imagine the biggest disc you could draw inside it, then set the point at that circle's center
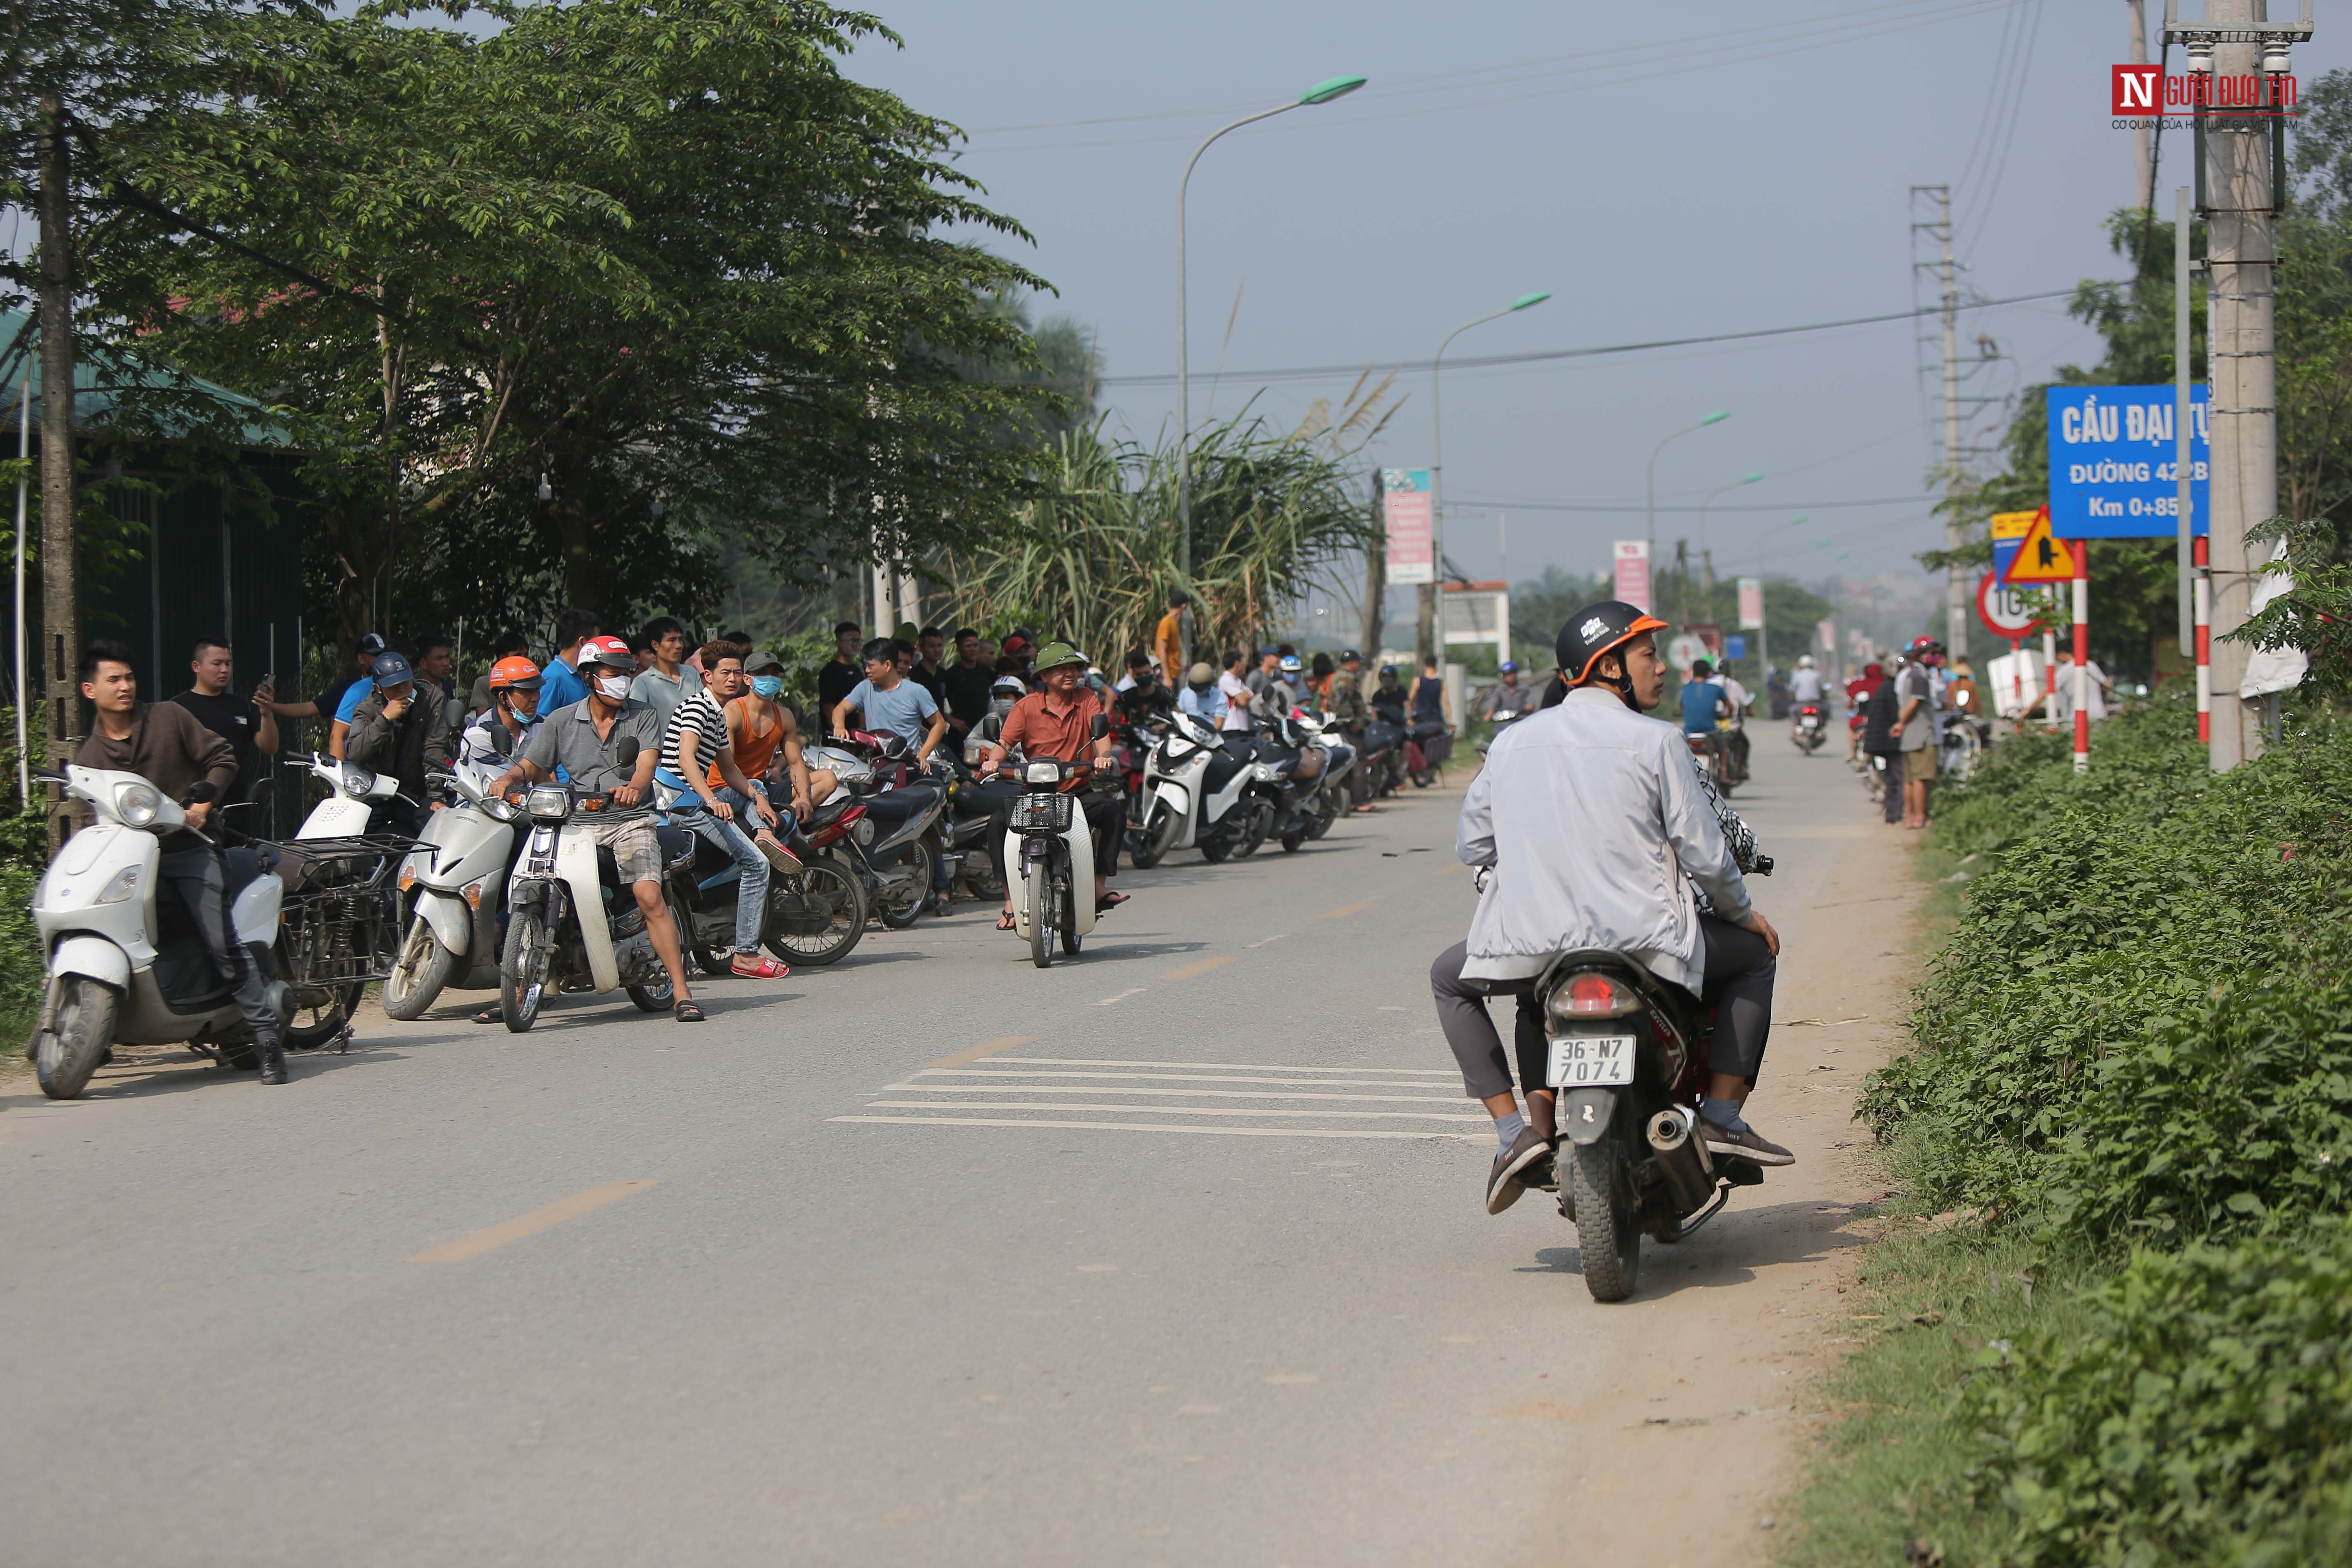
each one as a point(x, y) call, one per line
point(2111, 462)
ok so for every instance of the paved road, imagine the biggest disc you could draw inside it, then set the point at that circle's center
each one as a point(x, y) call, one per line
point(1170, 1254)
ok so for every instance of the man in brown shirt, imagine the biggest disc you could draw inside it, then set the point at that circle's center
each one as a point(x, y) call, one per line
point(1059, 722)
point(164, 743)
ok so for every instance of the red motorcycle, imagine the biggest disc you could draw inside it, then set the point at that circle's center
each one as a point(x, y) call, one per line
point(1426, 747)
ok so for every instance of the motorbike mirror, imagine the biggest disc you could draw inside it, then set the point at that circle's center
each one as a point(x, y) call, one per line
point(625, 753)
point(1101, 727)
point(201, 793)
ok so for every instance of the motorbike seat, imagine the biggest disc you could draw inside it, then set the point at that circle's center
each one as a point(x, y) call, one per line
point(892, 807)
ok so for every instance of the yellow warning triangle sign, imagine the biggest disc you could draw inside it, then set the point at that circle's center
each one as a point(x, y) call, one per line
point(2041, 556)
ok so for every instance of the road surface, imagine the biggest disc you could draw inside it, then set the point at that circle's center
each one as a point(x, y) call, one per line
point(1171, 1254)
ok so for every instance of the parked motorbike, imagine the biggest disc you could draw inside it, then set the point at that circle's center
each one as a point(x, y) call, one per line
point(1328, 795)
point(1195, 795)
point(1049, 856)
point(1713, 750)
point(820, 914)
point(1381, 757)
point(1808, 727)
point(453, 884)
point(1426, 748)
point(908, 816)
point(1628, 1056)
point(570, 922)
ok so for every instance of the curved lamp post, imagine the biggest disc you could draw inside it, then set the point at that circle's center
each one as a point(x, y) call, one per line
point(1321, 92)
point(1437, 467)
point(1711, 419)
point(1703, 555)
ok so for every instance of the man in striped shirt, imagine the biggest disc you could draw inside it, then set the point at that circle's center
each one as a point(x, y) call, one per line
point(693, 743)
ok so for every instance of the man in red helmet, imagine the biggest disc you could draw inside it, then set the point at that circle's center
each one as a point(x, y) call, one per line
point(1602, 828)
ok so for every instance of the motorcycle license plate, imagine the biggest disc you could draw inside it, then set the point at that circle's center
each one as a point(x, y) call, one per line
point(1579, 1060)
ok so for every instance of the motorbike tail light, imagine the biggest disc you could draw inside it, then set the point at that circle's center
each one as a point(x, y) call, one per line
point(1593, 994)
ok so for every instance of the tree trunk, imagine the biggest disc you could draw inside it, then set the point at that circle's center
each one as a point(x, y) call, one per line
point(60, 605)
point(1376, 577)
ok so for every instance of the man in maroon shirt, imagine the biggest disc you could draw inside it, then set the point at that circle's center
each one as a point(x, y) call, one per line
point(1059, 722)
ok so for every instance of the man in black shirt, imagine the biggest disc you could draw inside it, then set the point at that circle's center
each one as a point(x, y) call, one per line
point(844, 670)
point(966, 684)
point(247, 724)
point(929, 672)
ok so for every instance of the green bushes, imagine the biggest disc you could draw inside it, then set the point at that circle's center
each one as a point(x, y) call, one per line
point(2202, 1415)
point(2143, 1023)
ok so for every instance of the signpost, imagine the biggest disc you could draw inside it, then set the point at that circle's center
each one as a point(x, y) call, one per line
point(2041, 556)
point(2007, 532)
point(2009, 615)
point(1751, 619)
point(1405, 503)
point(1632, 572)
point(2114, 470)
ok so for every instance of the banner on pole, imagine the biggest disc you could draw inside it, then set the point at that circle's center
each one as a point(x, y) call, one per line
point(2112, 473)
point(1825, 632)
point(1633, 567)
point(1751, 605)
point(1406, 504)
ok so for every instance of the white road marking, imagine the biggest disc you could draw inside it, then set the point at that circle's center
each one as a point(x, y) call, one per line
point(1166, 1110)
point(1166, 1093)
point(1122, 996)
point(1150, 1127)
point(1221, 1066)
point(1176, 1078)
point(1275, 937)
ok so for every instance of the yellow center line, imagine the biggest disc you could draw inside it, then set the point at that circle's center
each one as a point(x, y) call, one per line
point(1190, 970)
point(531, 1224)
point(985, 1049)
point(1449, 870)
point(1344, 911)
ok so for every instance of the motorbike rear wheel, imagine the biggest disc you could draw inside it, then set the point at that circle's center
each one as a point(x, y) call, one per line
point(79, 1031)
point(1153, 844)
point(1423, 779)
point(1608, 1242)
point(523, 969)
point(1040, 878)
point(1327, 812)
point(902, 904)
point(1214, 850)
point(826, 885)
point(326, 1020)
point(418, 974)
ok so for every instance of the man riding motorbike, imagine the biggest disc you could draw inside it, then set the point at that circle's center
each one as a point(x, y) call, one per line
point(1201, 697)
point(1594, 827)
point(401, 731)
point(1279, 741)
point(505, 727)
point(1508, 700)
point(1058, 722)
point(1348, 710)
point(584, 739)
point(1387, 698)
point(697, 754)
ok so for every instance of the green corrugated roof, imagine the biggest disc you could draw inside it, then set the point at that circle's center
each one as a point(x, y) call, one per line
point(105, 373)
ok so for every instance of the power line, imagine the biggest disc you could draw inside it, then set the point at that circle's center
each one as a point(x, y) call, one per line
point(1479, 362)
point(1777, 506)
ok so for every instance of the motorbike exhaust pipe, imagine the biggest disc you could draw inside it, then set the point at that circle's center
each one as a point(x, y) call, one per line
point(1681, 1159)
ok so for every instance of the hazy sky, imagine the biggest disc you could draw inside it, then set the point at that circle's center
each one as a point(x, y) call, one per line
point(1667, 170)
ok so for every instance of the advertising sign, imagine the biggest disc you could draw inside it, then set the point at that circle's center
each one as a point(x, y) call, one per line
point(1751, 605)
point(2111, 462)
point(1632, 572)
point(1406, 504)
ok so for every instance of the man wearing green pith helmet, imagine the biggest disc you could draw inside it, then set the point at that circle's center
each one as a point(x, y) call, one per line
point(1058, 721)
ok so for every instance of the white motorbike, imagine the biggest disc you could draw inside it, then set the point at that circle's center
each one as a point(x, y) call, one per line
point(570, 923)
point(356, 798)
point(1331, 788)
point(453, 884)
point(1049, 857)
point(1196, 796)
point(125, 966)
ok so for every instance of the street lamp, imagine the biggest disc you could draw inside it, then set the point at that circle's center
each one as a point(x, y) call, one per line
point(1704, 553)
point(1437, 467)
point(1710, 419)
point(1321, 92)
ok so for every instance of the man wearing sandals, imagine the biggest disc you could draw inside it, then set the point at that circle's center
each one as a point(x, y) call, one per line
point(584, 740)
point(698, 756)
point(1058, 721)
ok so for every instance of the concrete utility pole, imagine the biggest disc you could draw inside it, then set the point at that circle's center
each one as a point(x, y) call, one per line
point(1958, 587)
point(60, 605)
point(2143, 154)
point(2237, 43)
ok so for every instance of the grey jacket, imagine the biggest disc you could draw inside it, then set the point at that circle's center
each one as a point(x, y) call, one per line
point(1593, 815)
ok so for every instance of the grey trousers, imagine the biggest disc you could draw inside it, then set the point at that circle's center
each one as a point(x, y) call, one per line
point(1739, 984)
point(196, 876)
point(1891, 791)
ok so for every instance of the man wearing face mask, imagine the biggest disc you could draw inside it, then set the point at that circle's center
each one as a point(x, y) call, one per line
point(1201, 697)
point(767, 747)
point(584, 740)
point(506, 725)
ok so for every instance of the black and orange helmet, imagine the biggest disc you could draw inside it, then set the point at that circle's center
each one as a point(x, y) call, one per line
point(1594, 631)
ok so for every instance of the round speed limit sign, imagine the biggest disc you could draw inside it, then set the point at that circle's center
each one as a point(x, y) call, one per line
point(2010, 613)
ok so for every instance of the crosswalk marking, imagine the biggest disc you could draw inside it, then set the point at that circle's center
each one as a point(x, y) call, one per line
point(1044, 1092)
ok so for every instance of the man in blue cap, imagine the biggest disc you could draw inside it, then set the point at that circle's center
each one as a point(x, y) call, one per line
point(393, 733)
point(1509, 700)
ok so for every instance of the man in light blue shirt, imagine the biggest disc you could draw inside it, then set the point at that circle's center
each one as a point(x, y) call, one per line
point(561, 683)
point(1201, 698)
point(889, 704)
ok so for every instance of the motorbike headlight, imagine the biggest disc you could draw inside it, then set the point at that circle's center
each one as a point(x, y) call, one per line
point(499, 810)
point(1590, 994)
point(549, 801)
point(1047, 772)
point(137, 803)
point(357, 782)
point(124, 888)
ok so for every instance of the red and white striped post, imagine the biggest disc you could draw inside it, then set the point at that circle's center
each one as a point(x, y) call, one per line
point(2082, 656)
point(2016, 683)
point(2049, 678)
point(2204, 602)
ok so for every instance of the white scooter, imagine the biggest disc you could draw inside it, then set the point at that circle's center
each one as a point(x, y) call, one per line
point(125, 967)
point(570, 923)
point(454, 883)
point(1049, 856)
point(1193, 796)
point(354, 797)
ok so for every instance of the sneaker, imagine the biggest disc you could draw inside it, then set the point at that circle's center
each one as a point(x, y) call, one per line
point(782, 859)
point(1505, 1184)
point(1743, 1142)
